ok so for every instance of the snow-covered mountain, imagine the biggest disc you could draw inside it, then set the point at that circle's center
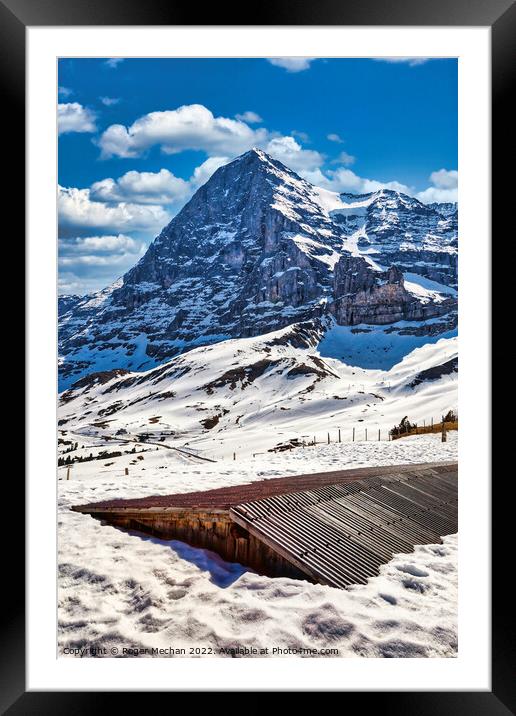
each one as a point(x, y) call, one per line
point(389, 228)
point(445, 208)
point(251, 394)
point(66, 302)
point(257, 249)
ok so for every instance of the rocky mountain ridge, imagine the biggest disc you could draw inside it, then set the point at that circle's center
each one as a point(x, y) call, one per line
point(256, 249)
point(389, 228)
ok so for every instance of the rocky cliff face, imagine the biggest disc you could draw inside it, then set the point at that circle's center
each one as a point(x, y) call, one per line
point(364, 296)
point(66, 303)
point(448, 209)
point(390, 228)
point(254, 250)
point(254, 236)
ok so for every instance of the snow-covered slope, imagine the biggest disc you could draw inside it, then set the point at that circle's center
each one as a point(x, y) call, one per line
point(258, 248)
point(252, 394)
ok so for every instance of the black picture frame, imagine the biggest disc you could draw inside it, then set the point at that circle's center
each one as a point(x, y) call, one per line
point(500, 16)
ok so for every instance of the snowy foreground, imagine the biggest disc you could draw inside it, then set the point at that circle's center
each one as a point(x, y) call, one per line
point(124, 594)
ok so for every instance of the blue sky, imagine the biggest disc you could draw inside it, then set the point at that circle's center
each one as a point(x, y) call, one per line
point(138, 136)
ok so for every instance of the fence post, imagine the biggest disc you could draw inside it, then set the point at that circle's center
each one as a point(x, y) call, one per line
point(234, 456)
point(68, 473)
point(328, 438)
point(432, 423)
point(443, 432)
point(366, 434)
point(353, 434)
point(378, 434)
point(126, 471)
point(339, 436)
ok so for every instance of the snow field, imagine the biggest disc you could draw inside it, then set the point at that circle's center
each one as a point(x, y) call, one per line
point(127, 591)
point(297, 393)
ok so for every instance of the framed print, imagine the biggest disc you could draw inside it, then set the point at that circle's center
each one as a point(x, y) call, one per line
point(254, 255)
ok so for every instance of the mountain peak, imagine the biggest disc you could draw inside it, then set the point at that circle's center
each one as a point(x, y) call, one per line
point(254, 151)
point(254, 155)
point(255, 249)
point(260, 160)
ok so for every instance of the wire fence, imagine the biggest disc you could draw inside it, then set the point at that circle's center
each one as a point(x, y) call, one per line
point(367, 433)
point(439, 427)
point(356, 434)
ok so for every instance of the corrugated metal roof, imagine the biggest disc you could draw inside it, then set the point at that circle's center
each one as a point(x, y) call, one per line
point(341, 534)
point(226, 497)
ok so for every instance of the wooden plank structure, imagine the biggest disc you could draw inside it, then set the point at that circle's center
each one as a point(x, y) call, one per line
point(335, 528)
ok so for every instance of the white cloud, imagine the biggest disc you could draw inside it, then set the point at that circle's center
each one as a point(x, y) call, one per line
point(333, 137)
point(344, 158)
point(204, 171)
point(432, 194)
point(188, 127)
point(88, 281)
point(445, 179)
point(78, 214)
point(113, 62)
point(412, 61)
point(444, 187)
point(135, 202)
point(156, 188)
point(73, 117)
point(109, 101)
point(70, 284)
point(288, 151)
point(88, 261)
point(144, 201)
point(195, 127)
point(344, 180)
point(142, 188)
point(130, 203)
point(64, 91)
point(292, 64)
point(249, 117)
point(98, 245)
point(86, 264)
